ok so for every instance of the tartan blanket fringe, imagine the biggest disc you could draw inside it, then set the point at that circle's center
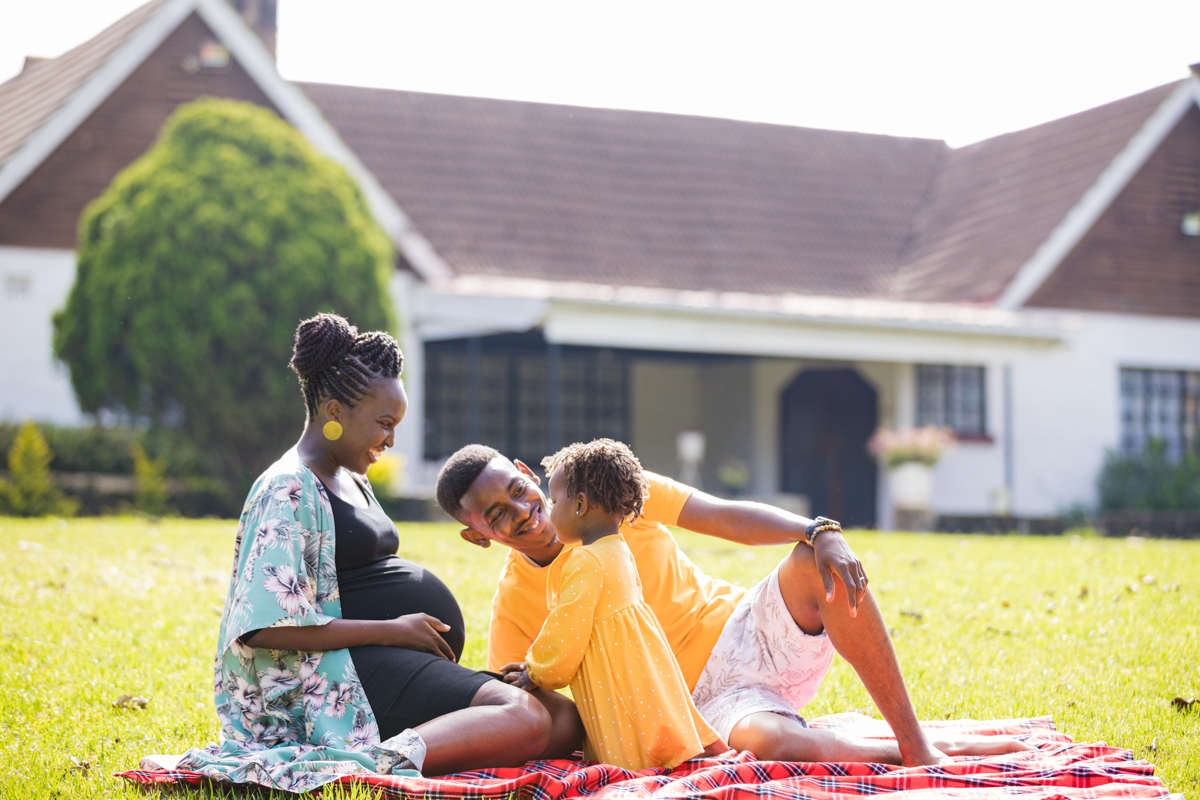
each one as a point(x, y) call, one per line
point(1057, 769)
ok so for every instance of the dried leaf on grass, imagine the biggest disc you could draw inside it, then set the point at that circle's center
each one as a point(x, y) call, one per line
point(917, 615)
point(129, 701)
point(1185, 703)
point(81, 767)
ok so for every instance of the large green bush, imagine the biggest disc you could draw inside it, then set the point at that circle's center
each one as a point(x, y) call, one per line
point(195, 267)
point(1151, 480)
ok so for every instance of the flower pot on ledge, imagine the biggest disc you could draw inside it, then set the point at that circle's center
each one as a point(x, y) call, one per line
point(911, 488)
point(909, 456)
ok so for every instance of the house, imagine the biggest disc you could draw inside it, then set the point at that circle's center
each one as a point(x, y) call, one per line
point(564, 273)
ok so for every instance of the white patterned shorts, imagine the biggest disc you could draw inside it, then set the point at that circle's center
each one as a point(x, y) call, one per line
point(761, 662)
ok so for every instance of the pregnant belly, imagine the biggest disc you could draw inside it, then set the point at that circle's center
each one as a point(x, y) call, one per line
point(392, 587)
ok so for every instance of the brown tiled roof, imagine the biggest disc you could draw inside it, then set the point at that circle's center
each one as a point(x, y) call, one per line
point(994, 202)
point(560, 193)
point(27, 100)
point(528, 190)
point(620, 197)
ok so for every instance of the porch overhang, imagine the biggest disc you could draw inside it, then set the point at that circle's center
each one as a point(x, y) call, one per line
point(734, 323)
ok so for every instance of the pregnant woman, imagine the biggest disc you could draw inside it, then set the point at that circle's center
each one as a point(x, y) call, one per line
point(335, 655)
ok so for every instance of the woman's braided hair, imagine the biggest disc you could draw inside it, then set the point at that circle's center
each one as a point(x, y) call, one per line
point(336, 362)
point(607, 472)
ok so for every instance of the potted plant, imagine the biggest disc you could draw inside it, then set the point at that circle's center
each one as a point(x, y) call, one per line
point(909, 456)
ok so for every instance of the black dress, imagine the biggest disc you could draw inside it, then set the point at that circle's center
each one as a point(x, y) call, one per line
point(404, 687)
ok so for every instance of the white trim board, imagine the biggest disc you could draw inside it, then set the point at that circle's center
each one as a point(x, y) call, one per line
point(1100, 195)
point(249, 51)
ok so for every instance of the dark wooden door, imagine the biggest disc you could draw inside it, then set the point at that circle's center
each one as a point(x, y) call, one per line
point(827, 417)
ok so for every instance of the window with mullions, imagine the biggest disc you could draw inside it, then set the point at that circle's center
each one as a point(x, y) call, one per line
point(1159, 404)
point(522, 396)
point(952, 397)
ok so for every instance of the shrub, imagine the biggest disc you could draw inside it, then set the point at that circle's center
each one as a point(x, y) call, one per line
point(194, 268)
point(387, 475)
point(29, 492)
point(1151, 480)
point(150, 492)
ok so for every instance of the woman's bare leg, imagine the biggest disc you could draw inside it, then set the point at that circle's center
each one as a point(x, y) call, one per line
point(503, 727)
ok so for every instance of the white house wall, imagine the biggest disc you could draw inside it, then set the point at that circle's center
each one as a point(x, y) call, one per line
point(664, 399)
point(1065, 399)
point(1066, 404)
point(34, 284)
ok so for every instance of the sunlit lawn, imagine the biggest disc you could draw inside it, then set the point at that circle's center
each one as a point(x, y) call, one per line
point(1101, 634)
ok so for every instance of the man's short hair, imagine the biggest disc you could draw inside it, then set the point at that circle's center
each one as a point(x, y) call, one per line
point(459, 472)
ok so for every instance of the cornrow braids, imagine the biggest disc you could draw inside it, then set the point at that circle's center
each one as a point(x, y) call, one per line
point(334, 361)
point(607, 472)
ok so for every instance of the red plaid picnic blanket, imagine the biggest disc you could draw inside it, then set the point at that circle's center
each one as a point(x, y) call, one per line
point(1057, 769)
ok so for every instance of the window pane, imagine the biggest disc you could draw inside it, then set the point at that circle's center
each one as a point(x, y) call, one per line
point(1159, 404)
point(512, 406)
point(952, 396)
point(931, 395)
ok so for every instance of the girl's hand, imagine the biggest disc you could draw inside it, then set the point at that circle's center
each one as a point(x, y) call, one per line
point(418, 632)
point(517, 674)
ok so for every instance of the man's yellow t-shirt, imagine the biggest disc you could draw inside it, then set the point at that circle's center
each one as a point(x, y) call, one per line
point(691, 606)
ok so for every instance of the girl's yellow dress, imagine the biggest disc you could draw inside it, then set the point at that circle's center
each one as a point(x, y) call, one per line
point(603, 640)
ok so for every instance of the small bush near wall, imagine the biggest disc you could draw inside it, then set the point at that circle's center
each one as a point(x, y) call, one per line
point(1150, 494)
point(1151, 480)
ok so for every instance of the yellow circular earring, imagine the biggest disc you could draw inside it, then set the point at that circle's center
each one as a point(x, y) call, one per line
point(332, 430)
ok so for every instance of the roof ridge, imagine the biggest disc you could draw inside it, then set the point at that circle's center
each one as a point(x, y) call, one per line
point(1071, 117)
point(611, 110)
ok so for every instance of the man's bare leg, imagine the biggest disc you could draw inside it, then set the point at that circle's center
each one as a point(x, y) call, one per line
point(775, 738)
point(864, 642)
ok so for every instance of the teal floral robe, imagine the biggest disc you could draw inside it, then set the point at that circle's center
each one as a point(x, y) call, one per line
point(289, 720)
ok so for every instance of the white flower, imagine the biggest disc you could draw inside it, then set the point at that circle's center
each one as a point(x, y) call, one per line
point(363, 736)
point(247, 696)
point(288, 491)
point(336, 700)
point(278, 679)
point(282, 582)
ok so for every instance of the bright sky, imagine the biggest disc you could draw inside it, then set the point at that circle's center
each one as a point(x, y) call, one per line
point(959, 70)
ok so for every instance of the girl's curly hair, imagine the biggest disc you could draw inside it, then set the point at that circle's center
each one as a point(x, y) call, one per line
point(607, 472)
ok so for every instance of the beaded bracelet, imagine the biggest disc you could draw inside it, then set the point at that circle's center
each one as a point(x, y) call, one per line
point(820, 525)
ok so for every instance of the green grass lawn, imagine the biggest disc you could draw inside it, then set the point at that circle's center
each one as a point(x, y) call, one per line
point(1101, 634)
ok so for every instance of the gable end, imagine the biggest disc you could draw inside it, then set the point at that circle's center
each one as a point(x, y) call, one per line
point(1136, 259)
point(44, 210)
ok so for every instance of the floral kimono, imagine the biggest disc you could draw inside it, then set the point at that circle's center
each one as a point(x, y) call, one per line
point(289, 720)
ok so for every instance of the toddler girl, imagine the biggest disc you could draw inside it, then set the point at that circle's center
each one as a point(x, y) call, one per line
point(601, 638)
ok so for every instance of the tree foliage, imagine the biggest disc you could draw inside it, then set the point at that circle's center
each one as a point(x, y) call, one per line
point(29, 491)
point(195, 267)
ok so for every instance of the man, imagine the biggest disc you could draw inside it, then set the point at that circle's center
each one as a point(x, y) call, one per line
point(751, 658)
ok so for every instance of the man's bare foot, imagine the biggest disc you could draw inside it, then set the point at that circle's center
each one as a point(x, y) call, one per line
point(968, 744)
point(924, 754)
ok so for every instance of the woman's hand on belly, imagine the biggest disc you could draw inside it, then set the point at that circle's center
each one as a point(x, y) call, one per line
point(411, 631)
point(418, 632)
